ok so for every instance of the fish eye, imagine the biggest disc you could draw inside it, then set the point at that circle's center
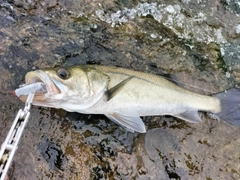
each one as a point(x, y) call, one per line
point(63, 73)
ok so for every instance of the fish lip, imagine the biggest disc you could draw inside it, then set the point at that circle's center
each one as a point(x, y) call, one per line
point(40, 76)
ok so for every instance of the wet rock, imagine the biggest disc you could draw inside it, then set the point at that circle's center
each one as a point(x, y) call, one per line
point(231, 5)
point(198, 41)
point(170, 149)
point(53, 154)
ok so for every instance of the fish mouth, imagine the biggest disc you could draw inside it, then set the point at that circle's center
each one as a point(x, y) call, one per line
point(47, 86)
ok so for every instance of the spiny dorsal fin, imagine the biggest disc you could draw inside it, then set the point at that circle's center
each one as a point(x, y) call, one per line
point(113, 91)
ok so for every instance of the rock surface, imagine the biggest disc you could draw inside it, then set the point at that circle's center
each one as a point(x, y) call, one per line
point(198, 41)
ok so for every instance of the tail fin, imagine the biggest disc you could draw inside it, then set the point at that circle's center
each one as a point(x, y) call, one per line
point(230, 105)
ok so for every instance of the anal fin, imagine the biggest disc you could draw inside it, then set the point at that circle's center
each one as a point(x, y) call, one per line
point(190, 116)
point(131, 123)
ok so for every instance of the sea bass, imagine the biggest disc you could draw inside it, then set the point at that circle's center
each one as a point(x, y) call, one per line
point(124, 95)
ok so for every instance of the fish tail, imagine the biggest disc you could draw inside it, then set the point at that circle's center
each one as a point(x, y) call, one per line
point(230, 108)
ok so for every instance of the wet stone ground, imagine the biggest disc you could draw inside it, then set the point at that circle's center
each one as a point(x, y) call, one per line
point(197, 41)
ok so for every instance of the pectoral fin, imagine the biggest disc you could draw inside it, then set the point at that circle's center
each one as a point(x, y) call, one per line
point(114, 90)
point(190, 116)
point(131, 123)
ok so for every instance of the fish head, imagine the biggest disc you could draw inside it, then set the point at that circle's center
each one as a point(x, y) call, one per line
point(71, 88)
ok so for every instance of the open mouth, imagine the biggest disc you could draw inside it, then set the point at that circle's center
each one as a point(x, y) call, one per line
point(38, 82)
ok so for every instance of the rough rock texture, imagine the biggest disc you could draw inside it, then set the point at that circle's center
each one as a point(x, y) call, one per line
point(198, 41)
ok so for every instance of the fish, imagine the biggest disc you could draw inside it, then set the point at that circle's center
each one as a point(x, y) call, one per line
point(124, 95)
